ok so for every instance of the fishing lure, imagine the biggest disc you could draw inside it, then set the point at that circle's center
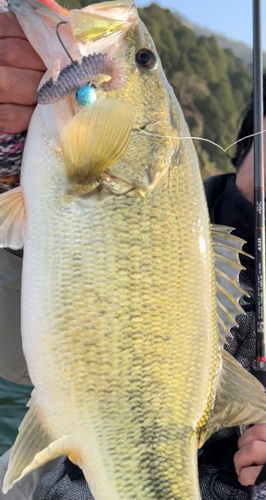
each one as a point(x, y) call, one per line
point(79, 74)
point(82, 78)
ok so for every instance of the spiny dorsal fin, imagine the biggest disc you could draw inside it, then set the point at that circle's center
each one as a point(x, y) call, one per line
point(226, 248)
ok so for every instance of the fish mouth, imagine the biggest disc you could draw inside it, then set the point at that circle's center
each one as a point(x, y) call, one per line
point(151, 127)
point(142, 127)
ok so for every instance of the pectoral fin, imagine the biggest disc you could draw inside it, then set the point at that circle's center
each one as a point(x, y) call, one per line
point(12, 219)
point(94, 139)
point(240, 398)
point(34, 447)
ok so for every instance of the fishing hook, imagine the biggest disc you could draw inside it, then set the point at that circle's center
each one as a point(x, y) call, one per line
point(60, 39)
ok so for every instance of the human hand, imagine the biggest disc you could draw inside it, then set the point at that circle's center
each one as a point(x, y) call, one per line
point(251, 456)
point(21, 70)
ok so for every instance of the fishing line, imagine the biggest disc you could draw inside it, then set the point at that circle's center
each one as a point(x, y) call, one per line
point(199, 138)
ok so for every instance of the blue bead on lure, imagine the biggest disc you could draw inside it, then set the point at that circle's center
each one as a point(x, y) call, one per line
point(86, 95)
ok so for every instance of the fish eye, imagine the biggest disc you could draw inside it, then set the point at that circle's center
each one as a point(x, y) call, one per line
point(146, 58)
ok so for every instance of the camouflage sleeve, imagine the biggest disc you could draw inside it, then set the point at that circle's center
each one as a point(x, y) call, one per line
point(12, 362)
point(11, 147)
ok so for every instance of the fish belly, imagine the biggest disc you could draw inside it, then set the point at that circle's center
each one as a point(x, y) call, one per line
point(119, 330)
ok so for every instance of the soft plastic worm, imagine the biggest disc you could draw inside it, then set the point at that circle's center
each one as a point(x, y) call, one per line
point(77, 74)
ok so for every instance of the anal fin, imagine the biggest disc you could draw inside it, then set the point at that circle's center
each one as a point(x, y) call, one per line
point(240, 399)
point(34, 447)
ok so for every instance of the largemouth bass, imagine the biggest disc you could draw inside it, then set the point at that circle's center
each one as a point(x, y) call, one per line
point(123, 327)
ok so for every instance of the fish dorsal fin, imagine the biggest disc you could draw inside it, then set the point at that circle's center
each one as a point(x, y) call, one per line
point(226, 248)
point(34, 447)
point(12, 219)
point(240, 399)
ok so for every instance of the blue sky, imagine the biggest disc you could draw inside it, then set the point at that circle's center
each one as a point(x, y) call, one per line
point(230, 17)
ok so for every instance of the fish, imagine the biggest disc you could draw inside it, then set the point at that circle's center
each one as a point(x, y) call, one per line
point(128, 292)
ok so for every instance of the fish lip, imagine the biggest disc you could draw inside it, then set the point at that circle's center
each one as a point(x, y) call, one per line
point(144, 127)
point(156, 129)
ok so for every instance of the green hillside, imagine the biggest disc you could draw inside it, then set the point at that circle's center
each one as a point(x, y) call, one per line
point(211, 84)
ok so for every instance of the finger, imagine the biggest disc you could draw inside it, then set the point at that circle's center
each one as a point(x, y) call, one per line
point(253, 453)
point(18, 86)
point(19, 54)
point(248, 476)
point(256, 432)
point(9, 26)
point(14, 118)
